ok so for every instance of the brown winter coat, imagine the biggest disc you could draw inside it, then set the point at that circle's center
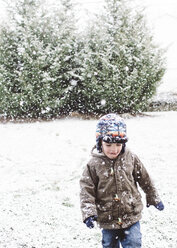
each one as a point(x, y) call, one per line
point(109, 190)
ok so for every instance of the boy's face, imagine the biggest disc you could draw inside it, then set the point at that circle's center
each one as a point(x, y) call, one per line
point(111, 150)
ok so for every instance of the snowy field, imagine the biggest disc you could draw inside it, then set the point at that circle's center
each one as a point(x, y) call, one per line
point(40, 167)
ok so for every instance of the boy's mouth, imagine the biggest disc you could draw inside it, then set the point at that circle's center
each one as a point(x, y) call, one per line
point(113, 154)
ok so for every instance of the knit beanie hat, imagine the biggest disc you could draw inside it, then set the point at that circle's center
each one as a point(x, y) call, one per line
point(110, 128)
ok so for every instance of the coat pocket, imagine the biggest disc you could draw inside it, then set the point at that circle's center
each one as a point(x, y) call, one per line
point(104, 212)
point(133, 205)
point(137, 207)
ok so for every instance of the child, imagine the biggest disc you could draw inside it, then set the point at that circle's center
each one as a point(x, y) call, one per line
point(109, 192)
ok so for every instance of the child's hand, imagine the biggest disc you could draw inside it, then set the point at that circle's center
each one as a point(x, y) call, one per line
point(160, 206)
point(90, 221)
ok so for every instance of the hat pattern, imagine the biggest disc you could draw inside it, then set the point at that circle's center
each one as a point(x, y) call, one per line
point(110, 128)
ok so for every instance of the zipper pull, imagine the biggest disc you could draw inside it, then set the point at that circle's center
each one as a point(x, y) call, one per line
point(116, 198)
point(119, 221)
point(112, 171)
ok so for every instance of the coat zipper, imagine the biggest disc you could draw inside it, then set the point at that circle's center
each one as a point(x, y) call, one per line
point(116, 197)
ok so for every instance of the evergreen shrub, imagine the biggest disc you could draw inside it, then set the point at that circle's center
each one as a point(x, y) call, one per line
point(122, 67)
point(48, 68)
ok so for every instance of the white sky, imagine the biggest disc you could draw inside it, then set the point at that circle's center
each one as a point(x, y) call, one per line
point(162, 16)
point(162, 19)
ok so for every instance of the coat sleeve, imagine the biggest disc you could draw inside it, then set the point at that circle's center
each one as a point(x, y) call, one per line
point(145, 182)
point(88, 185)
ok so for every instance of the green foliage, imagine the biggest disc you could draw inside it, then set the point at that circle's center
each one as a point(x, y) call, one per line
point(37, 54)
point(122, 65)
point(47, 69)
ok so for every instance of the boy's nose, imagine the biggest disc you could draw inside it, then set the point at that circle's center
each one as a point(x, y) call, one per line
point(114, 149)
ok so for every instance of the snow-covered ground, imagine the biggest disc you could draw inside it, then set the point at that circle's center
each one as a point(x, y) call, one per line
point(40, 167)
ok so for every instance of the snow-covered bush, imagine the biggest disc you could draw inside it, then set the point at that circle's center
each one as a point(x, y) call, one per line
point(47, 68)
point(37, 59)
point(122, 67)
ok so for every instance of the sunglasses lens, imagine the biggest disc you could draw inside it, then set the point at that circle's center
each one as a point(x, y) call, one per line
point(107, 139)
point(116, 139)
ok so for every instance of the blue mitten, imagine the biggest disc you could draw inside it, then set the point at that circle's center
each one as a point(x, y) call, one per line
point(90, 221)
point(160, 206)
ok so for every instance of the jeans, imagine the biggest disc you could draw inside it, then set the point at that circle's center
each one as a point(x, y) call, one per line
point(129, 237)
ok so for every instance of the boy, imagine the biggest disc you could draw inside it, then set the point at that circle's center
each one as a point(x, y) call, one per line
point(109, 192)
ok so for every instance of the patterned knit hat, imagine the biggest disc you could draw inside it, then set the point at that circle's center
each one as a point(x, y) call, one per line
point(110, 128)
